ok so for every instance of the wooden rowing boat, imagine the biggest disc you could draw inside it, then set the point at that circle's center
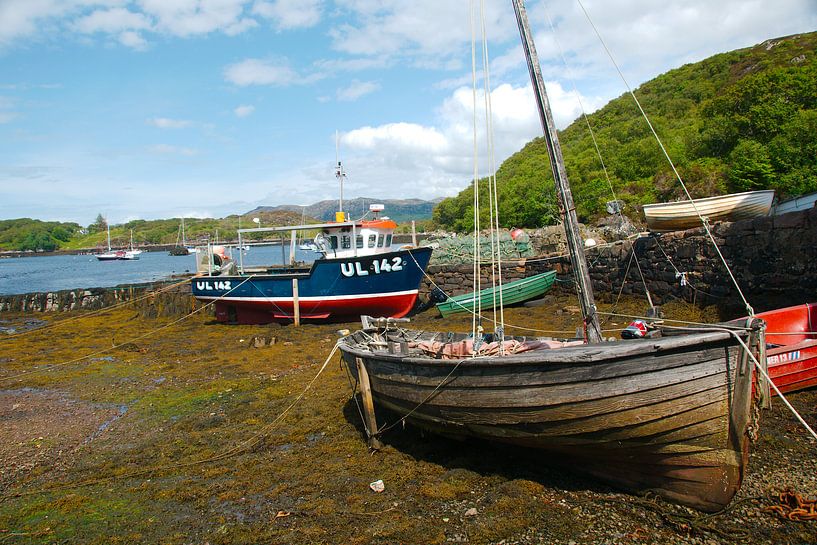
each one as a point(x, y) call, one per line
point(510, 293)
point(669, 414)
point(791, 350)
point(666, 415)
point(676, 216)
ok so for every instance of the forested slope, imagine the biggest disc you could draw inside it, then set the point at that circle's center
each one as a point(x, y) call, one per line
point(736, 121)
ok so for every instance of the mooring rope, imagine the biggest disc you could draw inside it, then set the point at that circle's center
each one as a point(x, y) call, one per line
point(750, 311)
point(761, 370)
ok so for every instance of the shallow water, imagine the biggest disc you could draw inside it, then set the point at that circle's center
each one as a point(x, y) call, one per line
point(63, 272)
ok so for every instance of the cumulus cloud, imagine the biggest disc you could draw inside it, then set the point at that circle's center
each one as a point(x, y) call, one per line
point(111, 20)
point(289, 14)
point(244, 110)
point(167, 149)
point(132, 39)
point(357, 89)
point(191, 17)
point(167, 123)
point(275, 72)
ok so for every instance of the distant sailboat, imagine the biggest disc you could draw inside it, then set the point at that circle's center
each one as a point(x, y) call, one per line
point(115, 255)
point(181, 248)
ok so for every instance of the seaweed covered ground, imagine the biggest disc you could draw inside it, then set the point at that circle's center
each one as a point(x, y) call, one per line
point(116, 428)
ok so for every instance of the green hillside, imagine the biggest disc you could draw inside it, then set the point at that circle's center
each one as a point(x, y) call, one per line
point(25, 234)
point(736, 121)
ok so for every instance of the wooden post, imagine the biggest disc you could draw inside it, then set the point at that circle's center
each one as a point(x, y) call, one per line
point(413, 234)
point(296, 306)
point(292, 247)
point(763, 386)
point(368, 406)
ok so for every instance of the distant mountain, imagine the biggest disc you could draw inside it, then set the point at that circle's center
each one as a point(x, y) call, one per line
point(400, 210)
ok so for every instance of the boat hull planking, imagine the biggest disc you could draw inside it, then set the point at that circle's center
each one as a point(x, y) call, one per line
point(664, 415)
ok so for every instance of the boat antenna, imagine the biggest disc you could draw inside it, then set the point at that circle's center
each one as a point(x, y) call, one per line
point(567, 208)
point(339, 174)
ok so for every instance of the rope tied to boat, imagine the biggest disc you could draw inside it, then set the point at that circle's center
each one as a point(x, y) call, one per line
point(792, 506)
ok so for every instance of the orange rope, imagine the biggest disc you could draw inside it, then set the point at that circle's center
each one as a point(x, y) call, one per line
point(792, 506)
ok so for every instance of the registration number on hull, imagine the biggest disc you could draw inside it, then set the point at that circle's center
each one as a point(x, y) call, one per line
point(385, 265)
point(214, 285)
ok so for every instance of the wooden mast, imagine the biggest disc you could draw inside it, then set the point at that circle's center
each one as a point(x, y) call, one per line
point(568, 209)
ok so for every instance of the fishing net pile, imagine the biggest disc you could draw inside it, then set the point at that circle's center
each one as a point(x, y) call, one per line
point(459, 249)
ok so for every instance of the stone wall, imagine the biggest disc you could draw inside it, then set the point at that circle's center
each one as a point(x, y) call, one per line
point(774, 260)
point(153, 299)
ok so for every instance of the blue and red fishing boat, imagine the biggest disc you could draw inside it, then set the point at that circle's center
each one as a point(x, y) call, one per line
point(357, 272)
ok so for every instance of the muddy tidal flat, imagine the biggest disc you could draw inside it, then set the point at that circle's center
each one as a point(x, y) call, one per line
point(119, 428)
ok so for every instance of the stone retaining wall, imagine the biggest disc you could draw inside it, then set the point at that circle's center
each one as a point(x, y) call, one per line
point(774, 260)
point(167, 303)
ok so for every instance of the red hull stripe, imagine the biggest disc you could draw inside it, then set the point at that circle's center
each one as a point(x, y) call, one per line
point(373, 296)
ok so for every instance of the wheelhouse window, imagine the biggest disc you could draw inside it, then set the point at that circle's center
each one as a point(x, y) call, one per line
point(380, 239)
point(388, 241)
point(333, 242)
point(372, 241)
point(345, 242)
point(359, 241)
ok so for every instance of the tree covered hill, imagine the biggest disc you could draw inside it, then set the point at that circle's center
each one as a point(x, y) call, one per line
point(25, 234)
point(737, 121)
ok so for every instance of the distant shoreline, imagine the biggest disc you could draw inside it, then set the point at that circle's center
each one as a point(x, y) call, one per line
point(10, 254)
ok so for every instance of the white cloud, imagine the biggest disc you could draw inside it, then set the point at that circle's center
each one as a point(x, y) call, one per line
point(357, 89)
point(244, 110)
point(7, 117)
point(132, 39)
point(167, 123)
point(396, 136)
point(112, 21)
point(167, 149)
point(192, 17)
point(429, 32)
point(275, 72)
point(289, 14)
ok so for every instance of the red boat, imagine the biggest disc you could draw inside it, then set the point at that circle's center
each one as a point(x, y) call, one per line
point(791, 340)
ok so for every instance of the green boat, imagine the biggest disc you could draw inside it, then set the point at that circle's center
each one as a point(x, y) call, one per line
point(514, 292)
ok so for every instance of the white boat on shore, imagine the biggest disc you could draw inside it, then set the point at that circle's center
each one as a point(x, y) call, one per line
point(676, 216)
point(803, 202)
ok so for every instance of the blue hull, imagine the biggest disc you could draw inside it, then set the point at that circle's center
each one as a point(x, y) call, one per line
point(381, 285)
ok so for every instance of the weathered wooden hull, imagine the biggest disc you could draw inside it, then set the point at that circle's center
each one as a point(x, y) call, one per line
point(517, 291)
point(676, 216)
point(666, 415)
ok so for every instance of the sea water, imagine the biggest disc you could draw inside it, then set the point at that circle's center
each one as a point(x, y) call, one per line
point(65, 272)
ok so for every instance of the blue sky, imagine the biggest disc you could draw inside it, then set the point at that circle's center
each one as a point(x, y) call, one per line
point(161, 108)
